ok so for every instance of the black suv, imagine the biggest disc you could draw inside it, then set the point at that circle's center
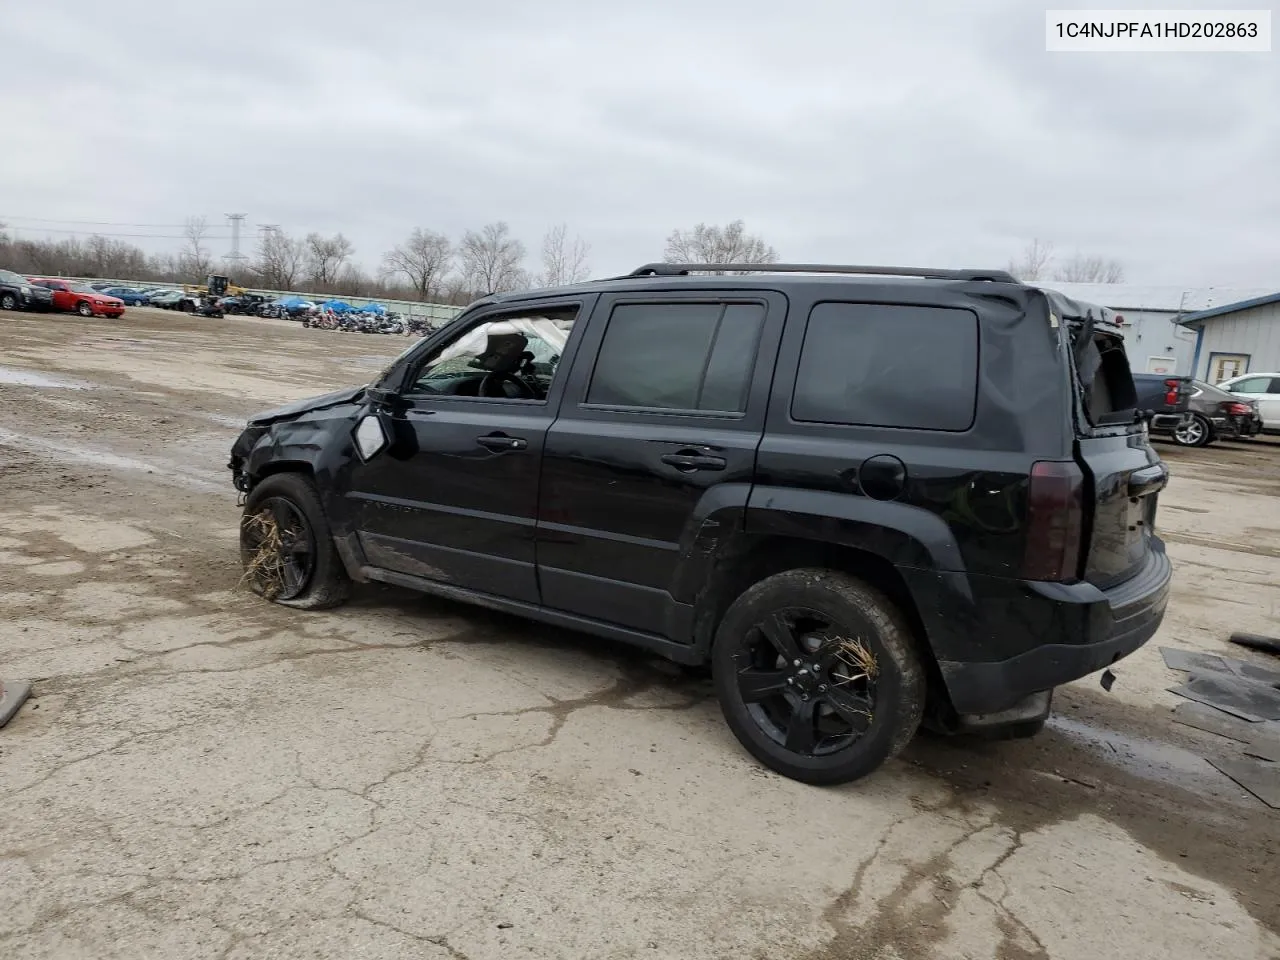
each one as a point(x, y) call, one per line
point(865, 496)
point(17, 292)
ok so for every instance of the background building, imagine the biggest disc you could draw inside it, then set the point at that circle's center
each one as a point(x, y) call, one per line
point(1235, 338)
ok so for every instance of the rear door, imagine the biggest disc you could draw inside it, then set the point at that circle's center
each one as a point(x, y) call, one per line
point(1123, 473)
point(666, 401)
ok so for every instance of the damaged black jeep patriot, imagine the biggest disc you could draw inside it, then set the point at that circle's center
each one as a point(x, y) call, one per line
point(866, 497)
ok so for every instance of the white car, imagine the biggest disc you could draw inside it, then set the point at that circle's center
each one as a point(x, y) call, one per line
point(1262, 387)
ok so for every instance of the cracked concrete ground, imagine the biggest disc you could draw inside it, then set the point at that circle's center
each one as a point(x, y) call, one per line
point(204, 775)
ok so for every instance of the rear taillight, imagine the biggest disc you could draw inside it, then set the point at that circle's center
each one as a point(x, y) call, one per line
point(1055, 521)
point(1171, 393)
point(1238, 409)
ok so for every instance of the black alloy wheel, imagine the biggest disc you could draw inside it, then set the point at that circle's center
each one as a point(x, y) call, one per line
point(818, 675)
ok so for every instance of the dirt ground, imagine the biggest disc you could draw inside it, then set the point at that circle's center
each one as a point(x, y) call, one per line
point(203, 775)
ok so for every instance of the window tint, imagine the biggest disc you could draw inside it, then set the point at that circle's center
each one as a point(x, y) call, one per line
point(8, 276)
point(505, 357)
point(888, 366)
point(678, 356)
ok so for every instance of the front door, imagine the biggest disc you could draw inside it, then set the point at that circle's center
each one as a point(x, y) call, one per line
point(672, 407)
point(454, 496)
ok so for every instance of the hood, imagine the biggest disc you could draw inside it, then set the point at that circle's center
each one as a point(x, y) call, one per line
point(300, 407)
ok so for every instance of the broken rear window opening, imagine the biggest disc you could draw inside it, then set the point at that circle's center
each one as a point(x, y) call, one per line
point(1102, 369)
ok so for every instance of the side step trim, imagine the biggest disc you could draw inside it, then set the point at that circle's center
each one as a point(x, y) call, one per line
point(679, 652)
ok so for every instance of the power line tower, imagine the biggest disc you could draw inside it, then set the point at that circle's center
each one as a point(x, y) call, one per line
point(235, 257)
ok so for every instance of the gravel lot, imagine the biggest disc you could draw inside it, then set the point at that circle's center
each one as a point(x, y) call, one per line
point(201, 774)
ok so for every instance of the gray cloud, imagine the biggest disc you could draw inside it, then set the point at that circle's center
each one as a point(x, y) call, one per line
point(914, 132)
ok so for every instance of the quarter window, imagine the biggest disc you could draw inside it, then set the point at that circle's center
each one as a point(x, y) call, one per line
point(888, 366)
point(678, 356)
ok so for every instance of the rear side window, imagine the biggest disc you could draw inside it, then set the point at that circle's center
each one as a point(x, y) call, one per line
point(1109, 392)
point(888, 365)
point(678, 356)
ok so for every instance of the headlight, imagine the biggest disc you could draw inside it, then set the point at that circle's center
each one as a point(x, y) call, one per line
point(26, 291)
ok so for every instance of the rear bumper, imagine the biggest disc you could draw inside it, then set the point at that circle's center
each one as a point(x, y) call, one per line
point(1092, 629)
point(1167, 422)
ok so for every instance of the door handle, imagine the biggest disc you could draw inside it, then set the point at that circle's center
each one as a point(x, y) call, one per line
point(500, 441)
point(693, 461)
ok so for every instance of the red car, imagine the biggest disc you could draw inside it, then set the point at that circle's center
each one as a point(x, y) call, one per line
point(81, 298)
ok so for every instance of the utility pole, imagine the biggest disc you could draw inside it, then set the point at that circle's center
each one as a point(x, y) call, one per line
point(235, 257)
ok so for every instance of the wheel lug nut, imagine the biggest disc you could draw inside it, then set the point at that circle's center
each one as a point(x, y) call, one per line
point(822, 688)
point(795, 663)
point(804, 696)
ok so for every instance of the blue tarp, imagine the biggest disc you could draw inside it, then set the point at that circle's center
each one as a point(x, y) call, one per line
point(372, 308)
point(337, 306)
point(289, 301)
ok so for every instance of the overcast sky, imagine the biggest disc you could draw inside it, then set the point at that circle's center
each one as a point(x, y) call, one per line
point(914, 132)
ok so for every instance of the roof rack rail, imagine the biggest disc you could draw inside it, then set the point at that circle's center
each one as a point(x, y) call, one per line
point(928, 273)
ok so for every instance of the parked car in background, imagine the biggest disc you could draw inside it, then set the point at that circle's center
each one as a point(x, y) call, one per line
point(131, 296)
point(19, 293)
point(80, 298)
point(172, 300)
point(1194, 413)
point(1262, 388)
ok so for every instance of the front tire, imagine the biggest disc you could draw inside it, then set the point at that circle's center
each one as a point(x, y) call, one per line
point(84, 308)
point(818, 675)
point(1195, 432)
point(8, 302)
point(286, 546)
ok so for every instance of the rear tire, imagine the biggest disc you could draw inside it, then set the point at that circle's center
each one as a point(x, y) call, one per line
point(290, 502)
point(818, 675)
point(1196, 432)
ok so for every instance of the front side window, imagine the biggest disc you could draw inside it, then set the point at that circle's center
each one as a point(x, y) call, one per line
point(678, 356)
point(505, 357)
point(887, 365)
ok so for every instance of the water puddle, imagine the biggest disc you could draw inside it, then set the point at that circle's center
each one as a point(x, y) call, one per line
point(195, 478)
point(1152, 760)
point(18, 377)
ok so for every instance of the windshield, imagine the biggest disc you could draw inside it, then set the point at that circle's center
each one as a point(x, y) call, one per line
point(83, 288)
point(8, 276)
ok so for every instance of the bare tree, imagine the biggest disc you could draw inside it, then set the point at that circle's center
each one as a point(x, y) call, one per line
point(491, 259)
point(1090, 269)
point(563, 260)
point(326, 256)
point(713, 244)
point(196, 259)
point(424, 260)
point(4, 232)
point(280, 259)
point(1034, 262)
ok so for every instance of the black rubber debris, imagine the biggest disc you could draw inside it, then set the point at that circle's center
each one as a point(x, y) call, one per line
point(1259, 777)
point(1255, 641)
point(1189, 660)
point(1213, 720)
point(1194, 660)
point(13, 693)
point(1108, 680)
point(1246, 699)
